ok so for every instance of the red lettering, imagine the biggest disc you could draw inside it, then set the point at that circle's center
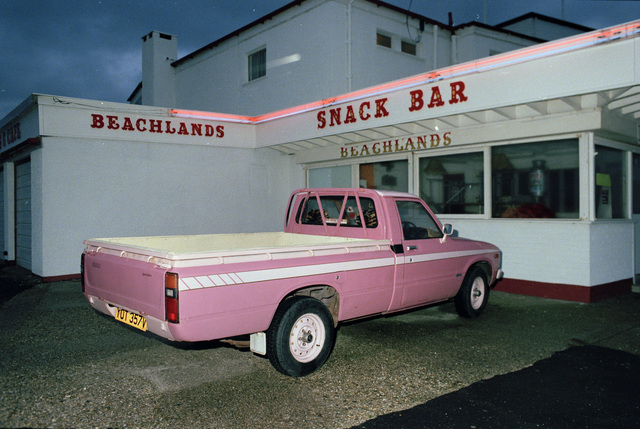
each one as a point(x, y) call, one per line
point(113, 122)
point(322, 121)
point(196, 129)
point(128, 125)
point(417, 102)
point(364, 116)
point(381, 111)
point(140, 124)
point(183, 129)
point(335, 117)
point(168, 128)
point(220, 131)
point(354, 151)
point(457, 92)
point(351, 116)
point(436, 98)
point(155, 126)
point(209, 130)
point(98, 121)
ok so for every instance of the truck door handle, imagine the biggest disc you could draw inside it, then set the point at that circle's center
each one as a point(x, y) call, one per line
point(412, 247)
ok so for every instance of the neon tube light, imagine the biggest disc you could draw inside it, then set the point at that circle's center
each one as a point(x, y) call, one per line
point(548, 49)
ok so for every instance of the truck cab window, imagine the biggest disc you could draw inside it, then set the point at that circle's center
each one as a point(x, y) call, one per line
point(417, 223)
point(335, 214)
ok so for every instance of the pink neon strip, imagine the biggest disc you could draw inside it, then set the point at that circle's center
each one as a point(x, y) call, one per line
point(522, 55)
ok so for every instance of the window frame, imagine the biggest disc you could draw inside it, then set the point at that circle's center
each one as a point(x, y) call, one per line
point(261, 68)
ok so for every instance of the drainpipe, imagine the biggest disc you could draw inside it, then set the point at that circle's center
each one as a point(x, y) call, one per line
point(435, 47)
point(349, 43)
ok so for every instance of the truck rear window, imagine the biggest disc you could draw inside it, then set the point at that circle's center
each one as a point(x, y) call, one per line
point(337, 211)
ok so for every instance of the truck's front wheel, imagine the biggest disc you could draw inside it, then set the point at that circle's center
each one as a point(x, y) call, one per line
point(473, 294)
point(301, 336)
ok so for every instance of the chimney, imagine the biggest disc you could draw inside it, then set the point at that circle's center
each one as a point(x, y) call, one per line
point(159, 50)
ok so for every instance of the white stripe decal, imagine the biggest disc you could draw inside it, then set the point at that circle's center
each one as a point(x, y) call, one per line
point(191, 283)
point(205, 281)
point(310, 270)
point(217, 280)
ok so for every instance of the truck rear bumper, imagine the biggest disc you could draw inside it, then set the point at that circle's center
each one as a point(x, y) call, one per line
point(154, 325)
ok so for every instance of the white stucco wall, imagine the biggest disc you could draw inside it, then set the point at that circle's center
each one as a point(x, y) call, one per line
point(557, 251)
point(108, 188)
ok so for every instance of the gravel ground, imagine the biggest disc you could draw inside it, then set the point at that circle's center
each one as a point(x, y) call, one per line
point(64, 365)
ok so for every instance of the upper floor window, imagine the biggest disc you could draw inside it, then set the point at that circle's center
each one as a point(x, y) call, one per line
point(408, 48)
point(257, 64)
point(383, 40)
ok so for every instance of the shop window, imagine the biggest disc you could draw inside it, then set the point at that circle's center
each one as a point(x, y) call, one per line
point(409, 48)
point(536, 180)
point(417, 223)
point(453, 184)
point(330, 177)
point(610, 182)
point(383, 40)
point(335, 214)
point(388, 176)
point(258, 64)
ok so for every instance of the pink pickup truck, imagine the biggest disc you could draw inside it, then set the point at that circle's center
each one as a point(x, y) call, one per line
point(344, 254)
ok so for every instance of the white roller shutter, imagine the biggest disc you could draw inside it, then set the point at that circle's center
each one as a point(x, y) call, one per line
point(23, 214)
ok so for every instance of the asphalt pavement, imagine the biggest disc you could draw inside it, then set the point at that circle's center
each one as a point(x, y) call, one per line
point(526, 362)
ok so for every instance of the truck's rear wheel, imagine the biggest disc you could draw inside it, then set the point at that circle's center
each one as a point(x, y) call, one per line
point(473, 294)
point(301, 336)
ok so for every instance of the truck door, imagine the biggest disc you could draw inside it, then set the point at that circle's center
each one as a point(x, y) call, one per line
point(430, 270)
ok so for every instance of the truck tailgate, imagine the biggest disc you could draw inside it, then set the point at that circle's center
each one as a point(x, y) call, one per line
point(131, 283)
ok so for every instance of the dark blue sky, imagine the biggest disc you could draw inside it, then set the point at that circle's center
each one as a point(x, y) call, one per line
point(92, 48)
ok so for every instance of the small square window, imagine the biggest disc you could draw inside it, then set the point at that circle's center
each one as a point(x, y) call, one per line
point(258, 64)
point(383, 40)
point(408, 48)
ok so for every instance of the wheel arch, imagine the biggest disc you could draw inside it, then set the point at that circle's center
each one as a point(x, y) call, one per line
point(486, 267)
point(326, 294)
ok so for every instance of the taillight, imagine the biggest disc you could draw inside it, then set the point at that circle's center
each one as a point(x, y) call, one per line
point(171, 297)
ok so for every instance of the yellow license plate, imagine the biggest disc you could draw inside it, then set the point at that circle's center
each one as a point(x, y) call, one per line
point(131, 319)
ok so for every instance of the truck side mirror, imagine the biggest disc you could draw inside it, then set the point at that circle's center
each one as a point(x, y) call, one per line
point(447, 229)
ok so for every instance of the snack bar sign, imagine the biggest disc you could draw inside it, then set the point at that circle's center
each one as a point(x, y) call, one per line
point(418, 100)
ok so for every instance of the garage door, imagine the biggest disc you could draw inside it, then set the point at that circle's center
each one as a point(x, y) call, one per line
point(23, 214)
point(2, 245)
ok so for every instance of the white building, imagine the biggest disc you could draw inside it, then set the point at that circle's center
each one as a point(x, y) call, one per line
point(549, 131)
point(313, 49)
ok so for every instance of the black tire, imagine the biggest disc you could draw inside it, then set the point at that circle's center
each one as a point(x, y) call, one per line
point(473, 295)
point(301, 336)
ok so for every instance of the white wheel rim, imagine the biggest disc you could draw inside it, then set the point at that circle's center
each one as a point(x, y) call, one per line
point(307, 338)
point(477, 293)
